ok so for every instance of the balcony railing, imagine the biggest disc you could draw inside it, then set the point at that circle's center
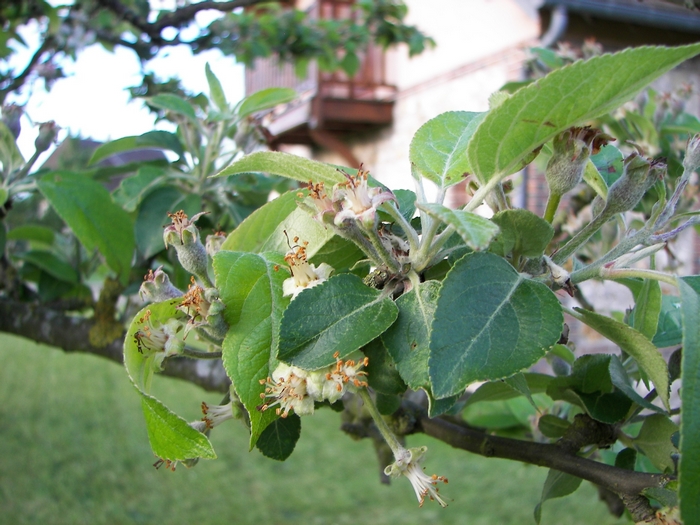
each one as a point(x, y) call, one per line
point(327, 102)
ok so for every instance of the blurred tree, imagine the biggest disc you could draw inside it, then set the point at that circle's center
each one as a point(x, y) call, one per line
point(245, 29)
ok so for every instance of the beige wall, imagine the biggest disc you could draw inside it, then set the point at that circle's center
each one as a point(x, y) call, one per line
point(480, 46)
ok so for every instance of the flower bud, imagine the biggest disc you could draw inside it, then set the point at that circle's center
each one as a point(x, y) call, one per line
point(214, 242)
point(204, 310)
point(692, 154)
point(157, 287)
point(47, 136)
point(11, 113)
point(158, 340)
point(572, 149)
point(184, 235)
point(639, 174)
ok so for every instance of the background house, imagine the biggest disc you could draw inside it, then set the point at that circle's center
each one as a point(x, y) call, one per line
point(481, 45)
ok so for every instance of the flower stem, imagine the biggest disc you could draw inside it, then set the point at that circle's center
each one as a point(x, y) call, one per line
point(552, 205)
point(591, 271)
point(390, 262)
point(561, 255)
point(405, 225)
point(621, 273)
point(383, 428)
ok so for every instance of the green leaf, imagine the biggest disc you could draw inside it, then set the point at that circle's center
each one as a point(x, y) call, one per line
point(251, 288)
point(285, 165)
point(265, 99)
point(280, 437)
point(690, 398)
point(682, 124)
point(264, 230)
point(152, 139)
point(590, 374)
point(382, 374)
point(171, 436)
point(608, 408)
point(603, 169)
point(626, 458)
point(408, 339)
point(635, 344)
point(252, 234)
point(140, 366)
point(216, 92)
point(518, 383)
point(654, 441)
point(132, 190)
point(350, 64)
point(170, 102)
point(590, 386)
point(32, 232)
point(153, 216)
point(500, 391)
point(52, 265)
point(406, 203)
point(552, 426)
point(557, 485)
point(666, 497)
point(566, 97)
point(647, 307)
point(387, 404)
point(340, 315)
point(87, 208)
point(408, 342)
point(477, 231)
point(339, 253)
point(670, 329)
point(438, 149)
point(621, 380)
point(593, 178)
point(522, 233)
point(512, 413)
point(490, 322)
point(10, 156)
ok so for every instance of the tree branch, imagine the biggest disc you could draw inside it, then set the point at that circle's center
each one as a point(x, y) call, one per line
point(618, 480)
point(177, 19)
point(185, 14)
point(18, 81)
point(71, 334)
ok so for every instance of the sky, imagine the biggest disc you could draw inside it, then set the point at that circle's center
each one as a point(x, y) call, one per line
point(94, 101)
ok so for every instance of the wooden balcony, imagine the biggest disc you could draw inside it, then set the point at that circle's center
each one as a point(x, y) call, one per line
point(329, 104)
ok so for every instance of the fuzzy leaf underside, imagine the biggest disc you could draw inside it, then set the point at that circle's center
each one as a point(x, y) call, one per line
point(566, 97)
point(284, 165)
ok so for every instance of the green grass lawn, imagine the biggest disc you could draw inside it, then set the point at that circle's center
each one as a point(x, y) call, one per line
point(74, 450)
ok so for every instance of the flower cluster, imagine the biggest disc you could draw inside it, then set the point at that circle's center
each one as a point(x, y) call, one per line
point(293, 389)
point(304, 275)
point(184, 235)
point(195, 306)
point(572, 149)
point(408, 464)
point(158, 340)
point(353, 199)
point(214, 415)
point(157, 287)
point(182, 230)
